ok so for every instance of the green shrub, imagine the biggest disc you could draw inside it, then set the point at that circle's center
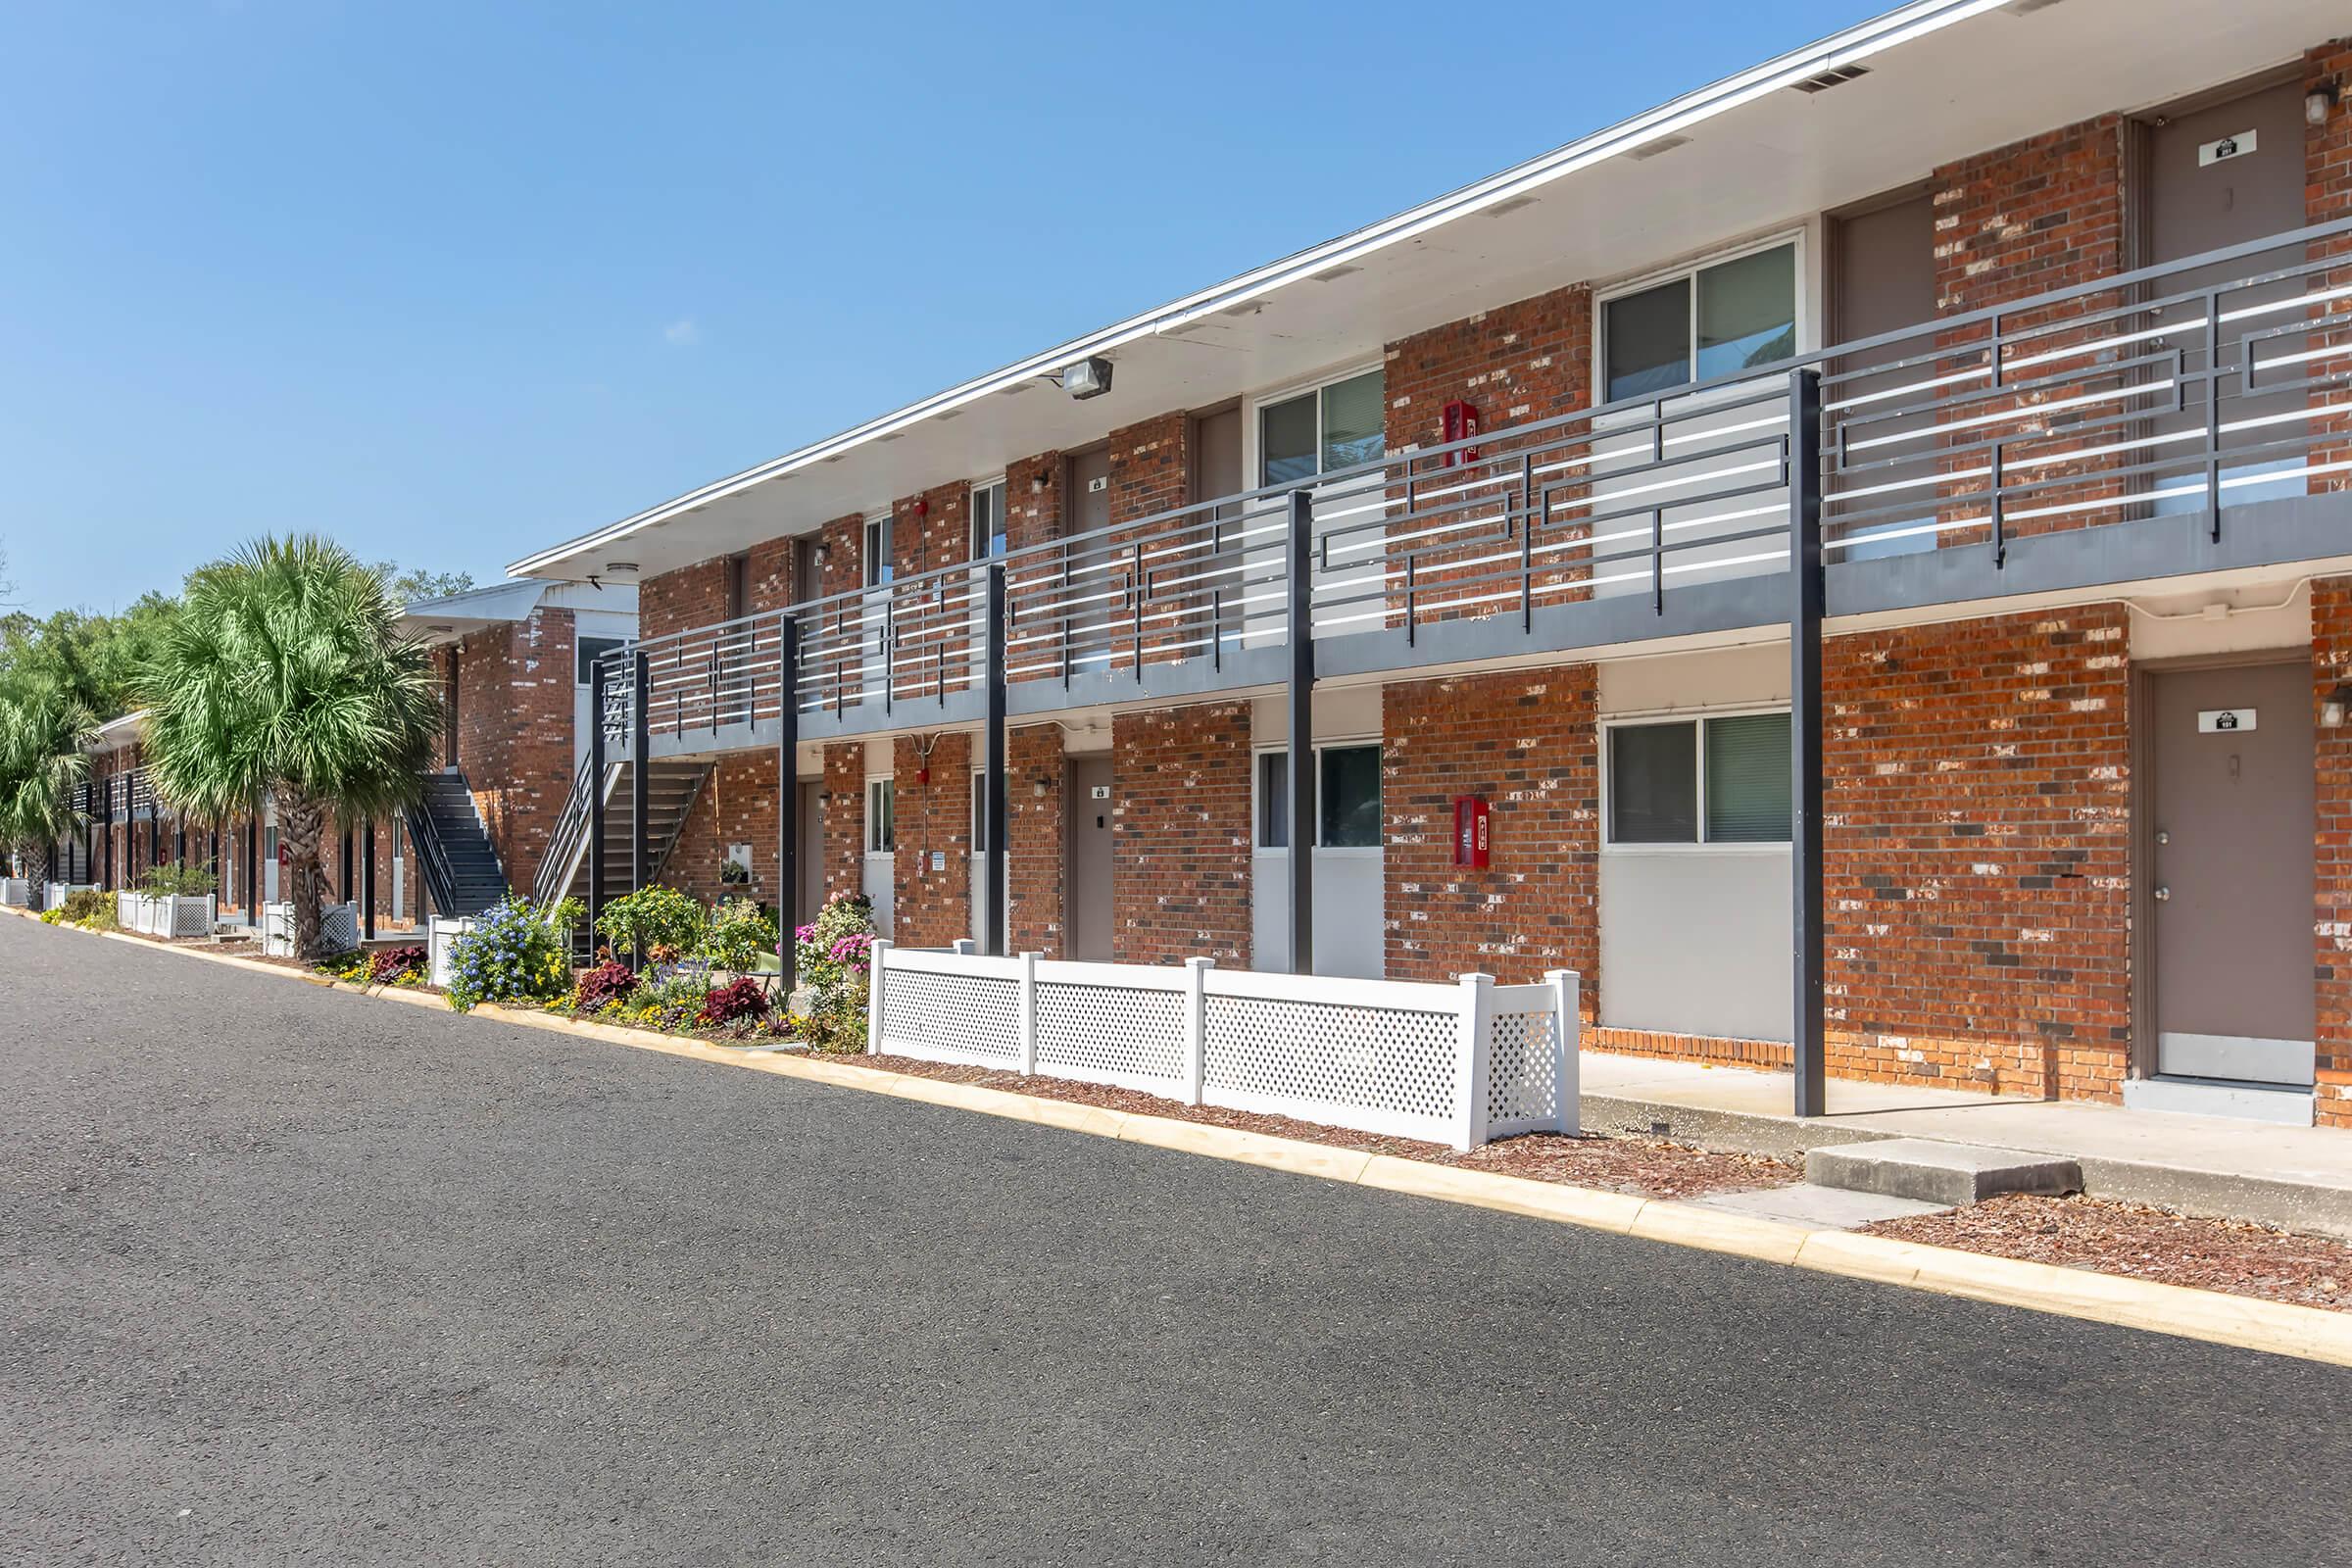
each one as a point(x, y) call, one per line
point(89, 909)
point(740, 935)
point(658, 924)
point(178, 879)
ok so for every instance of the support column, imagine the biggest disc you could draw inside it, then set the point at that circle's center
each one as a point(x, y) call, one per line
point(595, 798)
point(367, 883)
point(343, 889)
point(1302, 867)
point(788, 802)
point(641, 868)
point(994, 810)
point(1808, 926)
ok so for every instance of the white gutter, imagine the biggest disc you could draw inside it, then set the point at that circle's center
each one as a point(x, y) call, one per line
point(1901, 26)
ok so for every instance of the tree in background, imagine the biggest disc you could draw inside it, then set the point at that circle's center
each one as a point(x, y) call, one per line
point(416, 583)
point(283, 673)
point(93, 659)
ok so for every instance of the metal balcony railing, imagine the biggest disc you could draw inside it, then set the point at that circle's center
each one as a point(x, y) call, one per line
point(2183, 388)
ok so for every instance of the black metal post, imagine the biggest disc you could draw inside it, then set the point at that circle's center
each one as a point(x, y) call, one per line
point(180, 848)
point(996, 812)
point(1808, 926)
point(595, 798)
point(788, 802)
point(1303, 732)
point(367, 883)
point(155, 832)
point(640, 778)
point(253, 866)
point(343, 889)
point(106, 836)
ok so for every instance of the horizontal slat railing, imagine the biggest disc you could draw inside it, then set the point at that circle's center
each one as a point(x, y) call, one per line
point(2196, 385)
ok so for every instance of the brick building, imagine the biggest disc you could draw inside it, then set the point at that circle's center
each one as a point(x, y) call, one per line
point(2022, 319)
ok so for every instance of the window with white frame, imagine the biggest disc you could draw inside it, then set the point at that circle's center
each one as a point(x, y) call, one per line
point(1713, 320)
point(1718, 779)
point(1346, 797)
point(988, 520)
point(1336, 426)
point(881, 808)
point(878, 566)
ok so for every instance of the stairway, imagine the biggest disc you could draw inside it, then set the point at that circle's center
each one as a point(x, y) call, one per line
point(671, 789)
point(454, 849)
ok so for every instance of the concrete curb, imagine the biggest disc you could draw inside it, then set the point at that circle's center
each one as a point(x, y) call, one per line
point(2273, 1327)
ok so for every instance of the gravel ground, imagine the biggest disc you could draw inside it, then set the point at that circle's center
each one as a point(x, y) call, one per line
point(2151, 1243)
point(290, 1276)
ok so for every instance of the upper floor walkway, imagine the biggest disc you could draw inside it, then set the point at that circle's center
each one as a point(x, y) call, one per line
point(2182, 419)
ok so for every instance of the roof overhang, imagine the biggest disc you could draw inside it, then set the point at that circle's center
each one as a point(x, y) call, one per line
point(434, 621)
point(1746, 155)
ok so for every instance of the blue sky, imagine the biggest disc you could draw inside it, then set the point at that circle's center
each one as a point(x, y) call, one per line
point(449, 281)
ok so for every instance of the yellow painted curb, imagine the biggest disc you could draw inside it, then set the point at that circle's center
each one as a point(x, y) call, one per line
point(2274, 1327)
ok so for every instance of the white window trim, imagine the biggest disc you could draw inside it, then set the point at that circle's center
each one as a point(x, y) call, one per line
point(972, 513)
point(1253, 405)
point(865, 547)
point(1698, 778)
point(871, 780)
point(1342, 851)
point(1800, 235)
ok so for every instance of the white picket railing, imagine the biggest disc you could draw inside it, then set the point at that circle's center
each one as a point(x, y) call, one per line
point(1458, 1064)
point(153, 914)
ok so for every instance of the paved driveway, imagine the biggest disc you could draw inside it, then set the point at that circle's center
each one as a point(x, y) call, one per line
point(295, 1276)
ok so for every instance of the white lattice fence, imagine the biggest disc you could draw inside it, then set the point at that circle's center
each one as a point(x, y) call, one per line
point(338, 928)
point(1456, 1065)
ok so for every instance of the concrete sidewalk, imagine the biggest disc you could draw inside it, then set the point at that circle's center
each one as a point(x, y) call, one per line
point(2298, 1177)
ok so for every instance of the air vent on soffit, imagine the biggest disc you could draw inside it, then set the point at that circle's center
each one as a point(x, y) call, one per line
point(1649, 150)
point(1837, 76)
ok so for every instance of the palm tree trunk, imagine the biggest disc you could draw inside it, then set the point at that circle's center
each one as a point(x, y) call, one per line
point(301, 828)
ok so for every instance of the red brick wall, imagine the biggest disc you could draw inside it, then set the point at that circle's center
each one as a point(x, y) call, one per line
point(2328, 196)
point(1526, 361)
point(514, 733)
point(843, 568)
point(676, 601)
point(2331, 668)
point(2042, 213)
point(1978, 848)
point(1037, 781)
point(841, 817)
point(1525, 741)
point(931, 529)
point(1033, 515)
point(737, 806)
point(931, 907)
point(1180, 835)
point(1151, 466)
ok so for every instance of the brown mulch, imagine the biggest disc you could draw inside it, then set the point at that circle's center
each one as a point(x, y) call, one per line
point(2150, 1243)
point(1637, 1166)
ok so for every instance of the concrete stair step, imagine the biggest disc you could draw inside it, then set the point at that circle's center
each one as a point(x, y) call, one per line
point(1942, 1175)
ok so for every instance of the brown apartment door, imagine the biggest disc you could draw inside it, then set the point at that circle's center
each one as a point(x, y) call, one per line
point(1216, 473)
point(1091, 597)
point(2216, 174)
point(2232, 813)
point(1089, 915)
point(1882, 279)
point(809, 896)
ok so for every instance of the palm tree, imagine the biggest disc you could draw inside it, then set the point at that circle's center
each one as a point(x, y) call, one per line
point(284, 674)
point(42, 732)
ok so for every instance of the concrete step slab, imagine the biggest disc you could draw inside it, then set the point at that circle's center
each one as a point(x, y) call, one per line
point(1945, 1175)
point(1829, 1208)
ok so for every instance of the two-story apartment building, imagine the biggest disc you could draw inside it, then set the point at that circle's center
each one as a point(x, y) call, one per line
point(1953, 416)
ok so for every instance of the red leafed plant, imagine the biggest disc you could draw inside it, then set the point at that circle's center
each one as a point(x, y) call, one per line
point(733, 1002)
point(603, 986)
point(394, 966)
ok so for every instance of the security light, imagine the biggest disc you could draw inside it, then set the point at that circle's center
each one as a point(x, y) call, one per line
point(1088, 378)
point(2320, 103)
